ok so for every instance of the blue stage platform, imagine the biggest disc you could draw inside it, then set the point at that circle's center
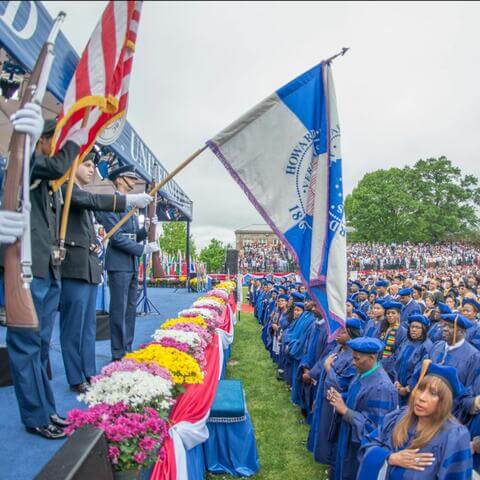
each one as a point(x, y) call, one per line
point(22, 454)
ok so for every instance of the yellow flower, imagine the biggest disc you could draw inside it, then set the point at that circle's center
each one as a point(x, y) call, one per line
point(174, 321)
point(212, 297)
point(182, 366)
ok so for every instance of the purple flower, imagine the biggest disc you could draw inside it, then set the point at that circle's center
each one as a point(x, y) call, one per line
point(147, 443)
point(140, 457)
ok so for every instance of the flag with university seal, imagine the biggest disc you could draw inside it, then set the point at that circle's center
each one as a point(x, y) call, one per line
point(285, 154)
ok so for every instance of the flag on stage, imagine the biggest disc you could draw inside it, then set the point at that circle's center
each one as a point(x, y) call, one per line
point(285, 154)
point(98, 90)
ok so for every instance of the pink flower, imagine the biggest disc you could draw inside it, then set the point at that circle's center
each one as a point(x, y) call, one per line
point(147, 443)
point(140, 457)
point(113, 453)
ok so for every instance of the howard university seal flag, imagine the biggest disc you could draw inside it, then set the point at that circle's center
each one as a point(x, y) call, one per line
point(285, 154)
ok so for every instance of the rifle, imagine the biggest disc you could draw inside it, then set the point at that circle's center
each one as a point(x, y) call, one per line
point(152, 233)
point(19, 308)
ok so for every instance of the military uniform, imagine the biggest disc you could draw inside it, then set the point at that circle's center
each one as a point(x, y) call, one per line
point(121, 263)
point(81, 273)
point(28, 349)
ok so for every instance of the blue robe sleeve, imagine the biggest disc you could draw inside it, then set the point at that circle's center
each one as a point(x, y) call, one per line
point(456, 461)
point(381, 400)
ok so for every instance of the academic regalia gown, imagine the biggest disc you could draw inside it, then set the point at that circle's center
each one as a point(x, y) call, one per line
point(435, 332)
point(465, 358)
point(370, 397)
point(407, 359)
point(411, 308)
point(259, 304)
point(388, 363)
point(317, 348)
point(451, 449)
point(473, 335)
point(372, 328)
point(323, 435)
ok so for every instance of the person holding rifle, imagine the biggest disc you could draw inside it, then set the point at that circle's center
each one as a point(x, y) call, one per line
point(121, 262)
point(28, 349)
point(82, 273)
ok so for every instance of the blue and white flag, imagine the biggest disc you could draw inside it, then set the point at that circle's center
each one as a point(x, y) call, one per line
point(285, 154)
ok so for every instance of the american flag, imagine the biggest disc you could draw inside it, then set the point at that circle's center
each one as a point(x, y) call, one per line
point(98, 91)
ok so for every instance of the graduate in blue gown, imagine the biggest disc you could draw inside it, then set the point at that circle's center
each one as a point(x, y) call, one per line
point(455, 351)
point(298, 348)
point(290, 335)
point(287, 322)
point(370, 396)
point(414, 349)
point(382, 290)
point(308, 371)
point(279, 322)
point(392, 333)
point(362, 316)
point(334, 371)
point(374, 325)
point(423, 440)
point(435, 333)
point(259, 301)
point(362, 300)
point(272, 312)
point(410, 306)
point(471, 309)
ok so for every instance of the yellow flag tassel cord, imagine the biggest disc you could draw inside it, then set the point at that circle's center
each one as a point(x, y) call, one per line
point(71, 179)
point(154, 191)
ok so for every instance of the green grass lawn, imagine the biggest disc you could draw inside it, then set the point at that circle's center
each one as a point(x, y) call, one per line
point(280, 434)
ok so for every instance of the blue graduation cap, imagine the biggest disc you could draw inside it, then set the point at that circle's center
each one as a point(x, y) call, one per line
point(443, 308)
point(352, 302)
point(357, 283)
point(363, 316)
point(460, 320)
point(298, 296)
point(473, 302)
point(420, 319)
point(448, 374)
point(379, 301)
point(366, 345)
point(283, 297)
point(381, 283)
point(299, 305)
point(364, 290)
point(393, 306)
point(281, 287)
point(404, 292)
point(353, 323)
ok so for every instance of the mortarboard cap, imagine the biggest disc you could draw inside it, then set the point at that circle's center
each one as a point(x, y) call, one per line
point(392, 306)
point(404, 292)
point(420, 319)
point(366, 345)
point(462, 322)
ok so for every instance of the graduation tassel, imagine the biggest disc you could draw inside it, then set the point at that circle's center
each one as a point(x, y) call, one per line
point(426, 363)
point(455, 330)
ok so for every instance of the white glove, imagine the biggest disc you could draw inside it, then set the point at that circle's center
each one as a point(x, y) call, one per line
point(151, 247)
point(80, 137)
point(12, 226)
point(29, 120)
point(139, 200)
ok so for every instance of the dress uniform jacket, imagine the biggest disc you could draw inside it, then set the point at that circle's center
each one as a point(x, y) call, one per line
point(122, 251)
point(81, 261)
point(46, 207)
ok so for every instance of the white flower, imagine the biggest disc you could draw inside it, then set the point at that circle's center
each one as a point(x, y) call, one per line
point(202, 312)
point(132, 388)
point(190, 338)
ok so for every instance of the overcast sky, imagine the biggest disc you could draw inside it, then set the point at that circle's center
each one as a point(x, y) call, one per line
point(409, 88)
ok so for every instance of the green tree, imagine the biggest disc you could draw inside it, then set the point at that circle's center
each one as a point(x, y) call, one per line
point(429, 202)
point(213, 256)
point(173, 238)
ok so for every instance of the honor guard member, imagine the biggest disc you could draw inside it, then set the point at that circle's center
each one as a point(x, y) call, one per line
point(121, 263)
point(82, 273)
point(27, 348)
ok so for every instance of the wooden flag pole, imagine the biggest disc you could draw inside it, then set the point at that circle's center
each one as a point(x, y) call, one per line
point(154, 191)
point(68, 194)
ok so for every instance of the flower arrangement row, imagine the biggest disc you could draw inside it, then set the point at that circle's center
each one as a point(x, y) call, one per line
point(130, 400)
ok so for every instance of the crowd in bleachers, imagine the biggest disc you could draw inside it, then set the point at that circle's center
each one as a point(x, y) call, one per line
point(265, 257)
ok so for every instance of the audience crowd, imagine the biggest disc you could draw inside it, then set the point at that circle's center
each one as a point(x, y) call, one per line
point(265, 257)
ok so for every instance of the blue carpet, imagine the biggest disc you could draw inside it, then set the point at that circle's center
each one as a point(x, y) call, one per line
point(23, 455)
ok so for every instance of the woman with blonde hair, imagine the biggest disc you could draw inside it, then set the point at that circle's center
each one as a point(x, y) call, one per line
point(422, 440)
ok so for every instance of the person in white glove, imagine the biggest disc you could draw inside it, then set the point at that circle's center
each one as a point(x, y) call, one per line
point(151, 247)
point(29, 120)
point(12, 226)
point(138, 200)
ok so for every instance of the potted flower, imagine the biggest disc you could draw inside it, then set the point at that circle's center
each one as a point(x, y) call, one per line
point(134, 439)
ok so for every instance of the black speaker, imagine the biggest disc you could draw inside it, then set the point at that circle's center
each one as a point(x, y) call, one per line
point(83, 456)
point(231, 262)
point(103, 326)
